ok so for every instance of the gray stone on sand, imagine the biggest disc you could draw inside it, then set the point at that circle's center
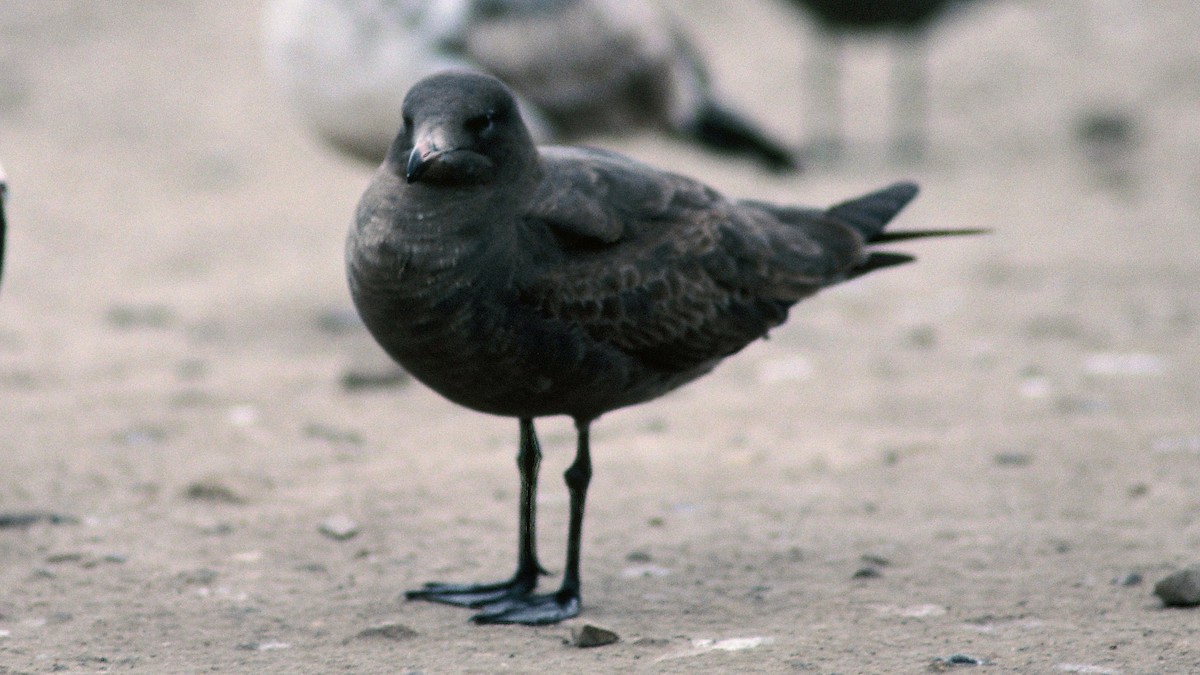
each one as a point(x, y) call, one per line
point(589, 635)
point(1181, 589)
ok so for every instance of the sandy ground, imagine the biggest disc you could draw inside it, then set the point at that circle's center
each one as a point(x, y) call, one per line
point(1000, 430)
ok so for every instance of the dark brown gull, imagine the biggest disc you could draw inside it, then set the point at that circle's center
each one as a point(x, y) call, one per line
point(529, 282)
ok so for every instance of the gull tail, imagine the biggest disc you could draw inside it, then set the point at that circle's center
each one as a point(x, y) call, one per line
point(871, 213)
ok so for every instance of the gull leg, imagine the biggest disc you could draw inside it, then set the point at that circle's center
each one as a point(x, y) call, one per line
point(524, 580)
point(565, 602)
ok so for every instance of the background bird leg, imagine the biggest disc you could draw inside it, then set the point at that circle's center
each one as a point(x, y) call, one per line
point(910, 98)
point(825, 101)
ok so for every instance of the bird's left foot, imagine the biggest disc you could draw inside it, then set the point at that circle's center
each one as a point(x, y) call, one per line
point(531, 610)
point(477, 595)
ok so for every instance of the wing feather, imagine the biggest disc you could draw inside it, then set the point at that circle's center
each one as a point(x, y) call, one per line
point(665, 268)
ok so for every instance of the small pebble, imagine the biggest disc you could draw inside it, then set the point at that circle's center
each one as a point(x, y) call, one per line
point(200, 577)
point(644, 570)
point(209, 490)
point(268, 646)
point(1013, 459)
point(360, 379)
point(868, 572)
point(242, 416)
point(338, 528)
point(955, 661)
point(1181, 589)
point(387, 631)
point(1131, 579)
point(589, 635)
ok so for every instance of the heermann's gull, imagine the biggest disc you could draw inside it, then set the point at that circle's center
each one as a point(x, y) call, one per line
point(580, 67)
point(572, 281)
point(910, 21)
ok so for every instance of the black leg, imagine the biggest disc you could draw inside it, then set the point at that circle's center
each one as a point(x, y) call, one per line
point(565, 603)
point(827, 126)
point(522, 583)
point(910, 91)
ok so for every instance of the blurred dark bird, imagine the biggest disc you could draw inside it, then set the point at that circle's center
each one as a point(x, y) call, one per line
point(910, 21)
point(3, 222)
point(579, 67)
point(572, 281)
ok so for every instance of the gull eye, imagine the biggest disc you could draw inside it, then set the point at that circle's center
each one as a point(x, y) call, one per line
point(480, 123)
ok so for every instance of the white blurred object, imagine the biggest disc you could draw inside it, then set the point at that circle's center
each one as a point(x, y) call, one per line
point(579, 67)
point(1118, 364)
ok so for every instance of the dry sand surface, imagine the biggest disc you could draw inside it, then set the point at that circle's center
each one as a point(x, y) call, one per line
point(999, 431)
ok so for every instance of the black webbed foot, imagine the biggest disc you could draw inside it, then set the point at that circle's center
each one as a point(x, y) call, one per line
point(531, 610)
point(474, 595)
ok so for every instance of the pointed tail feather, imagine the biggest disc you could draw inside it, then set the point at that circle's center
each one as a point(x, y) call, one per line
point(877, 261)
point(901, 235)
point(869, 213)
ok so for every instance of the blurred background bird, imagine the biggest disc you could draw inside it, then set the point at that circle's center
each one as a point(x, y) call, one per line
point(909, 22)
point(579, 67)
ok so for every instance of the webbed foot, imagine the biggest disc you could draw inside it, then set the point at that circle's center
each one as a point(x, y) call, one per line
point(474, 595)
point(531, 610)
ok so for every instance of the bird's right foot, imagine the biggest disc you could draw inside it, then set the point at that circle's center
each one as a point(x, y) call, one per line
point(474, 595)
